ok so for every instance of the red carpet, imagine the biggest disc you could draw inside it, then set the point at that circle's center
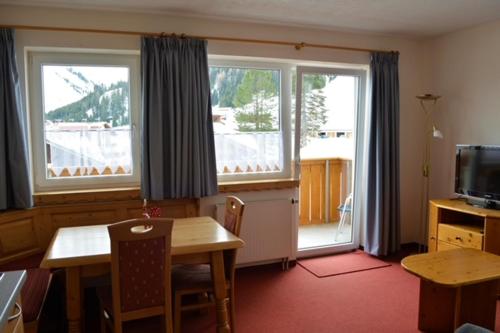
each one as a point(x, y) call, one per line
point(295, 301)
point(341, 264)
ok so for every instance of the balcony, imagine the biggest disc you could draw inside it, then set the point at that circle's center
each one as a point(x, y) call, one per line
point(324, 185)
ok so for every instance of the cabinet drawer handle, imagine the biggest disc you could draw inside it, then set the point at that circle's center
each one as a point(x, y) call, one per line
point(16, 315)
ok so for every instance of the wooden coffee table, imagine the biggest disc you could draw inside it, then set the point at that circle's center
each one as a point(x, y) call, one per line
point(456, 287)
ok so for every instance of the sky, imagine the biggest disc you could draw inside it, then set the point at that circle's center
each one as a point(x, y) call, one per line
point(340, 102)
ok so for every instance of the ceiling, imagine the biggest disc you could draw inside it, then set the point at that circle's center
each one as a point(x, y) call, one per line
point(415, 18)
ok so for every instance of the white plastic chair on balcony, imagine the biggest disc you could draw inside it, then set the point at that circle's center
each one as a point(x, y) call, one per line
point(345, 209)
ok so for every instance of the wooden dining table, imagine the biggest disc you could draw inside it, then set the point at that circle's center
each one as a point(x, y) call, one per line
point(85, 252)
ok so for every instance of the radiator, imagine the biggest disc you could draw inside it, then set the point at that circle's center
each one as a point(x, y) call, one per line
point(266, 228)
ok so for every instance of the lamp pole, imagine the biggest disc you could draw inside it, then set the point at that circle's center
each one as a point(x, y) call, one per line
point(428, 103)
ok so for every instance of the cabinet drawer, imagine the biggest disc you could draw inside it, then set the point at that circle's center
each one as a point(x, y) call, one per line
point(443, 246)
point(461, 235)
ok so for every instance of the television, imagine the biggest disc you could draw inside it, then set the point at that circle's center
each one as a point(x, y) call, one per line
point(477, 175)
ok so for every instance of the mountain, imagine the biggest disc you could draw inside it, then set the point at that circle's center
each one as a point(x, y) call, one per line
point(101, 103)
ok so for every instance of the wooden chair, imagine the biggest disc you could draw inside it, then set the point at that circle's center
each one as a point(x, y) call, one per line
point(140, 274)
point(196, 280)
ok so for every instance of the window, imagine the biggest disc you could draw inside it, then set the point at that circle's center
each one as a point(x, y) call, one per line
point(84, 110)
point(250, 110)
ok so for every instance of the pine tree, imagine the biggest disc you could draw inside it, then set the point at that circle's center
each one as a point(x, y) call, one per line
point(314, 111)
point(223, 83)
point(97, 106)
point(254, 100)
point(314, 115)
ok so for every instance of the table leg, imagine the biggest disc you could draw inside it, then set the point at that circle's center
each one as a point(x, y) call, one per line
point(436, 311)
point(73, 299)
point(220, 292)
point(478, 304)
point(443, 309)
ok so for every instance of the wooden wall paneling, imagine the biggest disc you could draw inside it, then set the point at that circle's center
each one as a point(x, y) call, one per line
point(18, 234)
point(192, 207)
point(46, 228)
point(169, 208)
point(25, 232)
point(98, 196)
point(40, 228)
point(79, 215)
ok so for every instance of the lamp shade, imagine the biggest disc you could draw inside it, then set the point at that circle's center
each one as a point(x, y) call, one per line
point(428, 97)
point(437, 133)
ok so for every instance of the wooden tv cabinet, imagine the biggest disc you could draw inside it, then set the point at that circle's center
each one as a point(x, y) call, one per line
point(455, 224)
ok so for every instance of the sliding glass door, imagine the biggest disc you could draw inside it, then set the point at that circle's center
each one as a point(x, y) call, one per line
point(330, 108)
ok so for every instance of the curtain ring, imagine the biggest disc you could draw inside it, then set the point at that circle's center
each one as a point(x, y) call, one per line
point(300, 46)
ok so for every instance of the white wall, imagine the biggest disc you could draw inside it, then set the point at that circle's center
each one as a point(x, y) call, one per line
point(411, 77)
point(465, 70)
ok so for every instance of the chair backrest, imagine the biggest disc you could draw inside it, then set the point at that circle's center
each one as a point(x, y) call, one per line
point(140, 269)
point(233, 217)
point(233, 214)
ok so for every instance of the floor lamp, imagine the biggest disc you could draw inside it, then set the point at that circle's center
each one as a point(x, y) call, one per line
point(428, 104)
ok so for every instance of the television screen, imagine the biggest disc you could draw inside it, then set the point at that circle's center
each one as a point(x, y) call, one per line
point(478, 171)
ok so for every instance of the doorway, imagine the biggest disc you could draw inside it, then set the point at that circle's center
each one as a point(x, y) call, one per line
point(330, 108)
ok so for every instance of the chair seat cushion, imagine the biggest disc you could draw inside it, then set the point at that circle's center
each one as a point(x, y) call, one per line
point(36, 285)
point(191, 277)
point(33, 293)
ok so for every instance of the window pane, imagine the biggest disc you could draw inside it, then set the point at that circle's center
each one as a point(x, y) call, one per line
point(246, 116)
point(87, 127)
point(329, 103)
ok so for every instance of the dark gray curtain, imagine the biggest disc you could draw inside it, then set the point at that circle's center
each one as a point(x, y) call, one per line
point(382, 235)
point(178, 150)
point(15, 188)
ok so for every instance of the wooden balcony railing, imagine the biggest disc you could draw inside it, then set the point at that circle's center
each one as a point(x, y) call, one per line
point(324, 185)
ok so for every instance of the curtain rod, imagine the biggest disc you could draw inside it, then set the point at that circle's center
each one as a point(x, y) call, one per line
point(297, 46)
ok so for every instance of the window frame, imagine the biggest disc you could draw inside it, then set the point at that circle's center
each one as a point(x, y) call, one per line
point(360, 144)
point(284, 114)
point(113, 58)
